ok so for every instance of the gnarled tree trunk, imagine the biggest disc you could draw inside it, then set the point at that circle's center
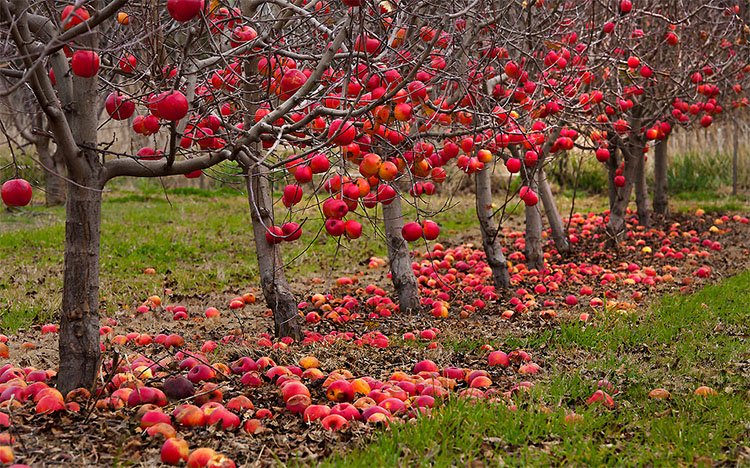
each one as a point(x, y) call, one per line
point(616, 225)
point(490, 239)
point(399, 259)
point(612, 165)
point(276, 290)
point(641, 189)
point(562, 243)
point(533, 251)
point(661, 200)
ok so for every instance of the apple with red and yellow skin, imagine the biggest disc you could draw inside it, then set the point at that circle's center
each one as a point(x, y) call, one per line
point(6, 454)
point(146, 124)
point(387, 171)
point(240, 403)
point(402, 112)
point(174, 451)
point(315, 413)
point(49, 404)
point(164, 430)
point(189, 416)
point(292, 388)
point(298, 403)
point(334, 422)
point(201, 372)
point(292, 80)
point(200, 457)
point(224, 419)
point(484, 156)
point(340, 391)
point(151, 418)
point(370, 165)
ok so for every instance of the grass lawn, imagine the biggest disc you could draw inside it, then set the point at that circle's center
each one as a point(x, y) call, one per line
point(199, 241)
point(682, 343)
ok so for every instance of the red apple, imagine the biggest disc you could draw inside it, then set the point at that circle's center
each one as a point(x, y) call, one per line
point(16, 192)
point(85, 63)
point(184, 10)
point(72, 16)
point(340, 391)
point(174, 451)
point(430, 230)
point(118, 106)
point(411, 231)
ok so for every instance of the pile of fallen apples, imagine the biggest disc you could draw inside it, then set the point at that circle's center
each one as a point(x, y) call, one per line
point(172, 385)
point(171, 397)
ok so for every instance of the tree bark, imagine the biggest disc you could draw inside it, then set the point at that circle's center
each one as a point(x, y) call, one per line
point(79, 321)
point(735, 156)
point(562, 243)
point(276, 290)
point(399, 259)
point(54, 171)
point(661, 200)
point(641, 189)
point(612, 165)
point(616, 223)
point(490, 239)
point(533, 251)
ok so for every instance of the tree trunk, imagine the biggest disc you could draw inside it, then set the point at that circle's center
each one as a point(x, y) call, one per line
point(79, 322)
point(616, 223)
point(641, 189)
point(490, 239)
point(735, 156)
point(276, 290)
point(612, 165)
point(402, 274)
point(533, 251)
point(562, 243)
point(54, 171)
point(661, 200)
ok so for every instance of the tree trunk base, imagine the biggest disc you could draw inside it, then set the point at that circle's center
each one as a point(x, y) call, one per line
point(402, 276)
point(79, 322)
point(285, 313)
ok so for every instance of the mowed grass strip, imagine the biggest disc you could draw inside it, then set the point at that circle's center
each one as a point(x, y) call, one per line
point(683, 342)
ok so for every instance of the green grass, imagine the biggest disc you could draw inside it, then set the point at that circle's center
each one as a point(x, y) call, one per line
point(682, 343)
point(199, 241)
